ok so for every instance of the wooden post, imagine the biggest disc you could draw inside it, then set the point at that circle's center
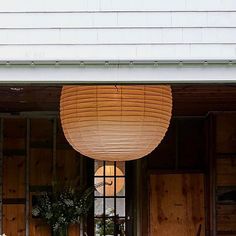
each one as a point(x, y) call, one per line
point(211, 176)
point(177, 146)
point(81, 175)
point(138, 206)
point(27, 174)
point(54, 152)
point(1, 175)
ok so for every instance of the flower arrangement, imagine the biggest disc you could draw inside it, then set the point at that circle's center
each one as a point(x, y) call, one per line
point(63, 206)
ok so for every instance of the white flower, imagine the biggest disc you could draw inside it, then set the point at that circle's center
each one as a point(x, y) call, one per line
point(68, 202)
point(35, 212)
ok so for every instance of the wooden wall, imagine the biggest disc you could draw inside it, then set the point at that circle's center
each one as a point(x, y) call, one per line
point(175, 173)
point(183, 147)
point(34, 153)
point(225, 161)
point(34, 150)
point(177, 205)
point(198, 145)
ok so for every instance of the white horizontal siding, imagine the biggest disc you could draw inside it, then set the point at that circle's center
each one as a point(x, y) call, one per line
point(115, 5)
point(118, 30)
point(118, 36)
point(117, 19)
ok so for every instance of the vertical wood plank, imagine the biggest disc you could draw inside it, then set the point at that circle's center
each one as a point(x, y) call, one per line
point(40, 167)
point(226, 218)
point(226, 171)
point(68, 166)
point(225, 133)
point(41, 152)
point(39, 228)
point(176, 205)
point(14, 152)
point(14, 219)
point(14, 177)
point(74, 230)
point(14, 135)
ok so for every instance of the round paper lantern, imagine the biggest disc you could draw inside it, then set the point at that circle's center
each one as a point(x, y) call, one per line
point(115, 123)
point(109, 181)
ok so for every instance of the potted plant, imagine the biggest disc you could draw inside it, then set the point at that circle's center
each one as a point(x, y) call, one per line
point(63, 206)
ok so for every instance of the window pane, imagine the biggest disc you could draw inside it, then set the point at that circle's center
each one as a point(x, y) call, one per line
point(121, 166)
point(99, 184)
point(109, 163)
point(109, 186)
point(120, 186)
point(98, 206)
point(97, 165)
point(109, 203)
point(109, 170)
point(120, 207)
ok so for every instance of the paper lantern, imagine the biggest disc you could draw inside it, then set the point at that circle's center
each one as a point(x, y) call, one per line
point(115, 123)
point(109, 183)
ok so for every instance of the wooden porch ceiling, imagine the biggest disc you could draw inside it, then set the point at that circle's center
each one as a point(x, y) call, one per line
point(188, 100)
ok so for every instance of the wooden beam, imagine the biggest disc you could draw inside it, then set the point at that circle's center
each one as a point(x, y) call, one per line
point(1, 175)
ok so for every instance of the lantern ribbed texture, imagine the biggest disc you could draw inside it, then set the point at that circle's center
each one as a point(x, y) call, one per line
point(116, 123)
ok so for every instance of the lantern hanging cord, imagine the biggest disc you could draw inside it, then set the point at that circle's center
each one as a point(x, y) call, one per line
point(116, 88)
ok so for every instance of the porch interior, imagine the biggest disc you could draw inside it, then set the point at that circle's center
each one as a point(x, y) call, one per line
point(185, 187)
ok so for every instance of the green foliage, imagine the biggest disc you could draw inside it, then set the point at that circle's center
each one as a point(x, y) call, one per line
point(64, 205)
point(111, 223)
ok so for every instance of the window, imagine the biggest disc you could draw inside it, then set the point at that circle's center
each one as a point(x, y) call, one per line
point(109, 204)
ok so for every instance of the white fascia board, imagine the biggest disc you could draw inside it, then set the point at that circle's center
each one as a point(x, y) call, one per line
point(115, 74)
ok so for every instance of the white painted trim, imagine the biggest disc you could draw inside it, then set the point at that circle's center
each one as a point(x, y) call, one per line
point(119, 74)
point(171, 52)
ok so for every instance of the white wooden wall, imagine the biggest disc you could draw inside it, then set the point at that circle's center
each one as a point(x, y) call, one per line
point(117, 30)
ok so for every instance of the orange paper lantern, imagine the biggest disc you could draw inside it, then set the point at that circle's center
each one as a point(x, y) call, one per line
point(115, 123)
point(109, 180)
